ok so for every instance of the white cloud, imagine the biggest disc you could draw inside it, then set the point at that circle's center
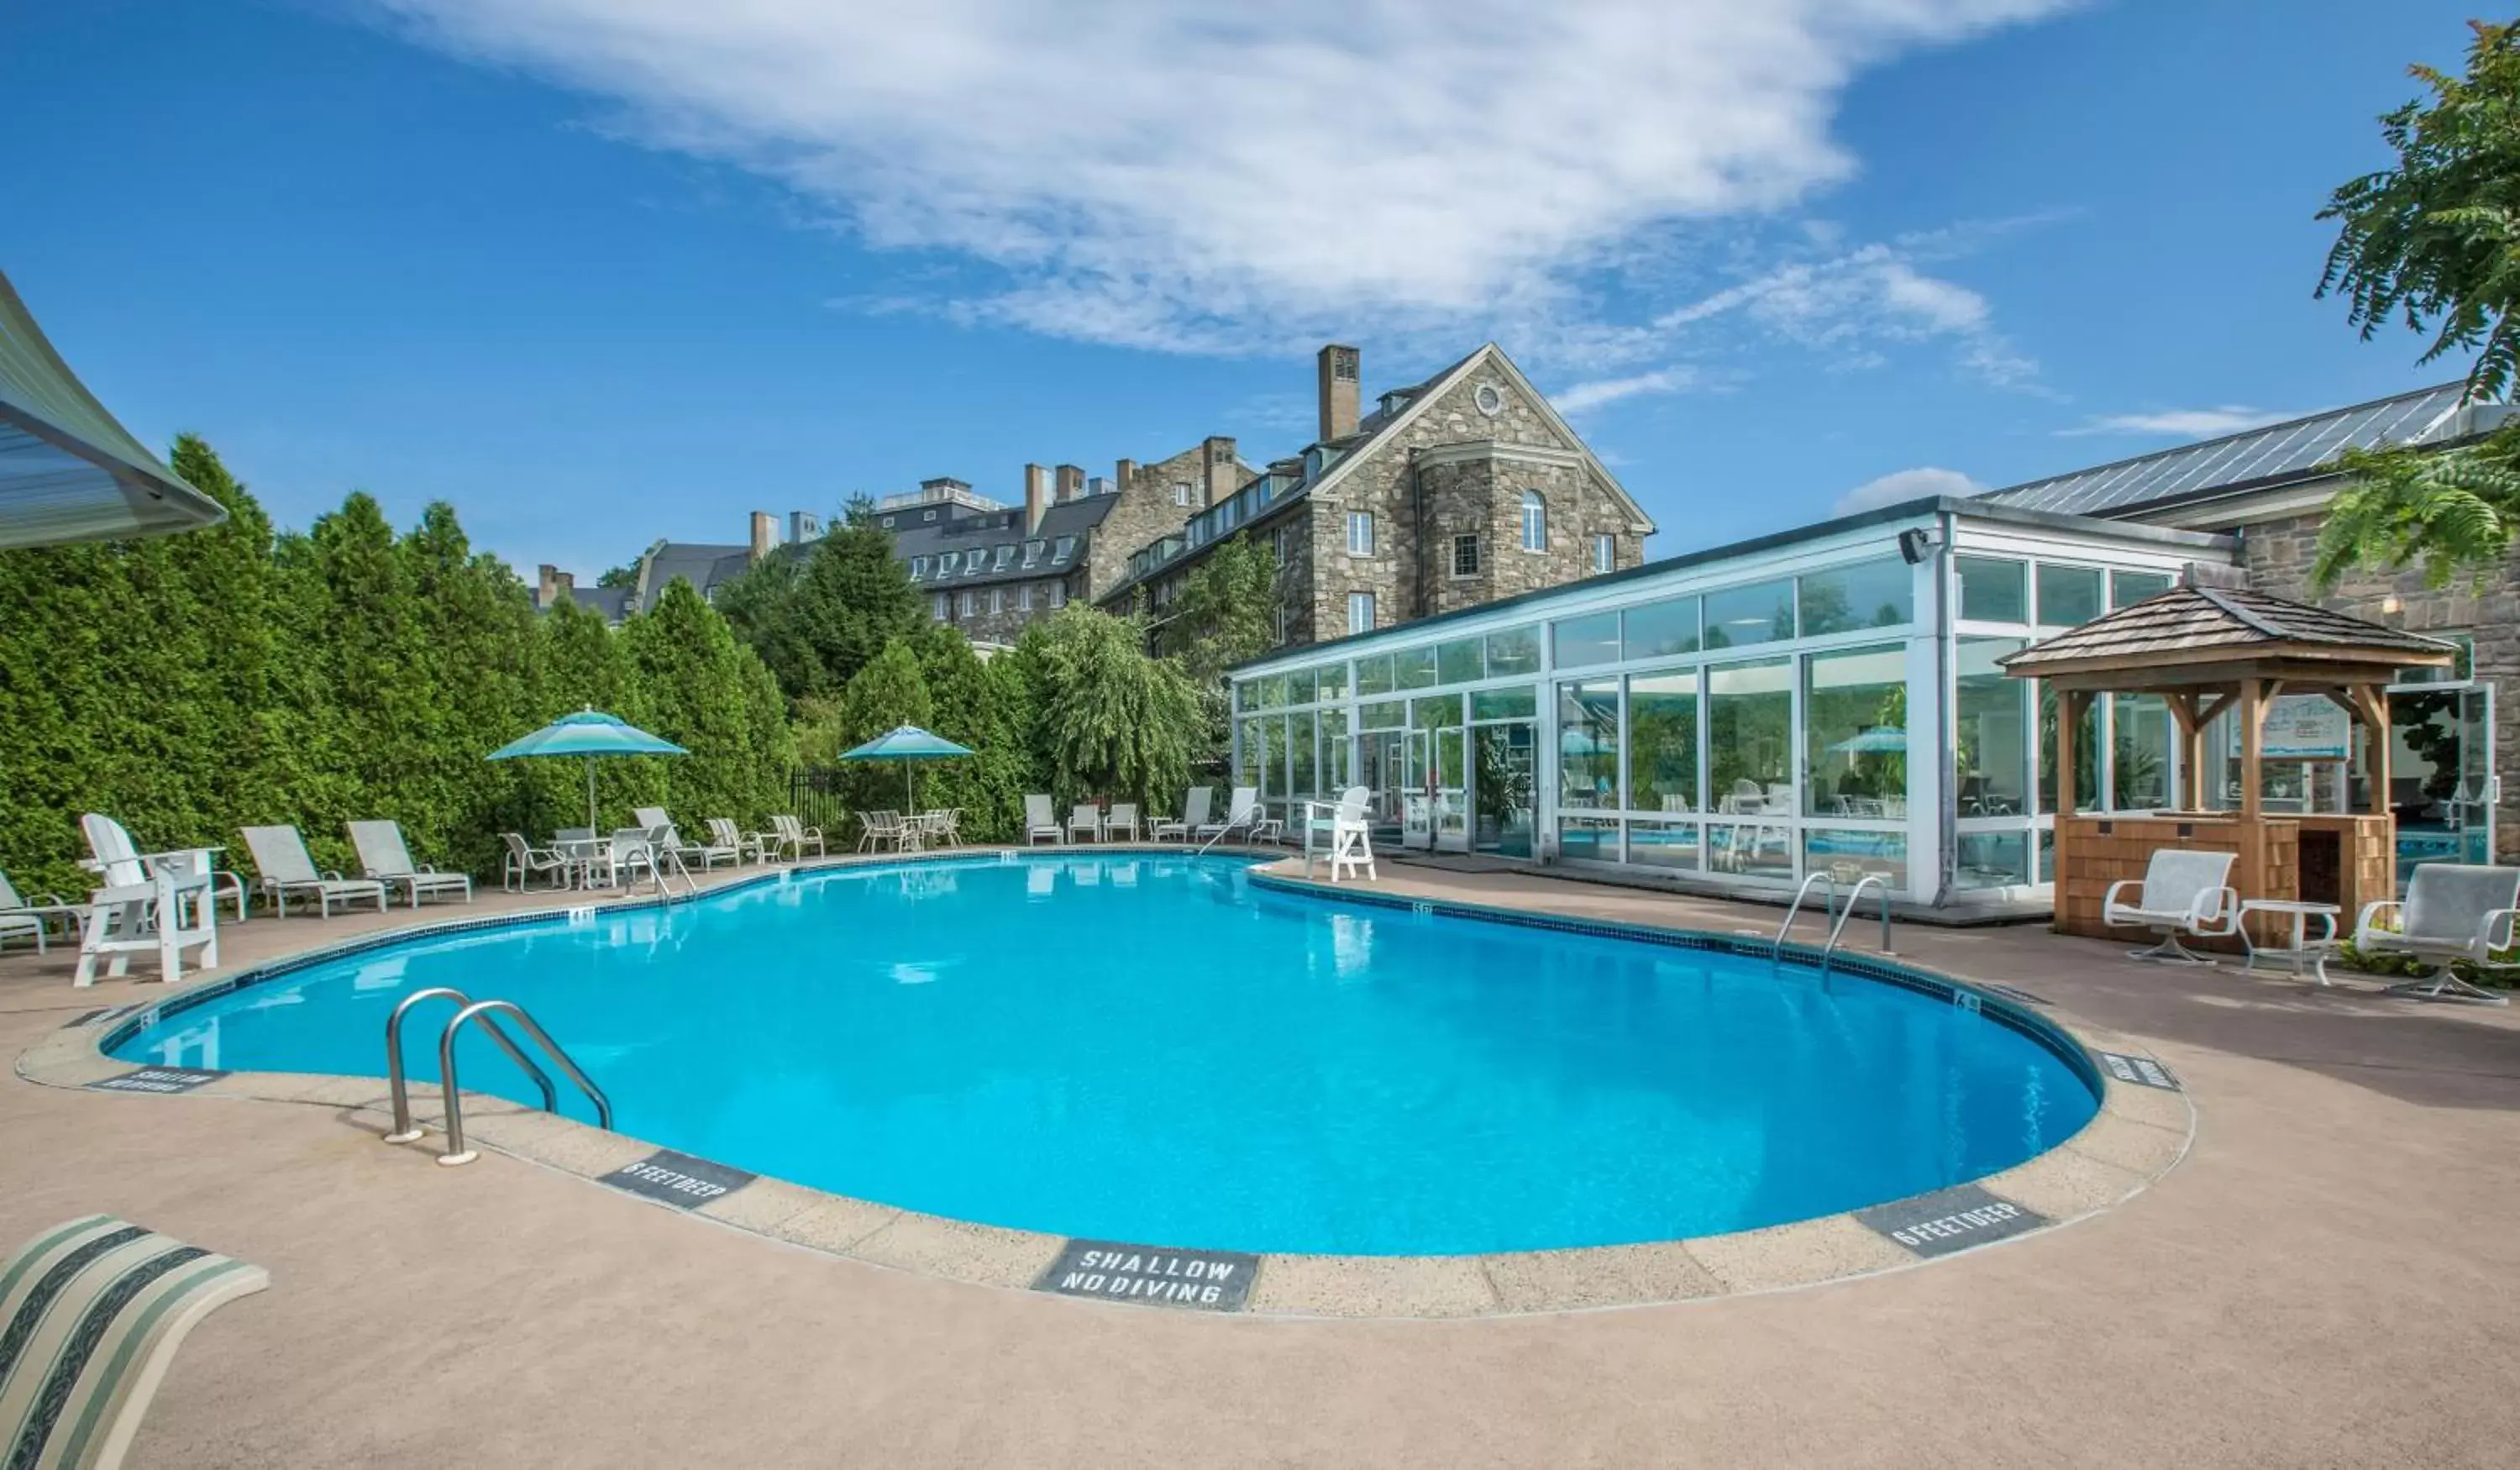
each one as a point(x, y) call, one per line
point(1176, 175)
point(1845, 306)
point(1582, 396)
point(1906, 485)
point(2185, 424)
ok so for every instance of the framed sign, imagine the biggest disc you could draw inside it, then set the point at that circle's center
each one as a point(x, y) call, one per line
point(2302, 727)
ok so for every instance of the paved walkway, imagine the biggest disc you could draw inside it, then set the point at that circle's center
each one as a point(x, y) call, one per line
point(2330, 1278)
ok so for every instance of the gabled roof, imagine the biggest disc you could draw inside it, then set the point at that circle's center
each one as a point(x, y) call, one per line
point(956, 536)
point(704, 564)
point(2186, 623)
point(68, 470)
point(2297, 449)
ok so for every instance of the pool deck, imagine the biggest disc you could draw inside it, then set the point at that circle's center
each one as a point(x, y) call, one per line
point(2329, 1277)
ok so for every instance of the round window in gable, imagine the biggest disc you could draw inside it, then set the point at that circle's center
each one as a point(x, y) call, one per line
point(1489, 398)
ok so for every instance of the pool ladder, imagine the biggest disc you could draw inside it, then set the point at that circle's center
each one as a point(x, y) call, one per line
point(468, 1009)
point(1837, 917)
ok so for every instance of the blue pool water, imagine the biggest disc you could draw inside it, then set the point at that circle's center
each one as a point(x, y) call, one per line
point(1159, 1051)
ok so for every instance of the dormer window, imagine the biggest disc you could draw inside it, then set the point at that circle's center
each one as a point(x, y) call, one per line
point(888, 522)
point(1006, 555)
point(917, 568)
point(1033, 551)
point(927, 516)
point(1065, 549)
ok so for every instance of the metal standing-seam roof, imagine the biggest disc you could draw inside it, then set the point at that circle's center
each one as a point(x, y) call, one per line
point(69, 472)
point(2280, 451)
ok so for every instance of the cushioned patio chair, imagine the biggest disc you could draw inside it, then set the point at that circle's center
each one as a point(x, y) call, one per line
point(2453, 910)
point(281, 867)
point(383, 857)
point(2184, 891)
point(91, 1313)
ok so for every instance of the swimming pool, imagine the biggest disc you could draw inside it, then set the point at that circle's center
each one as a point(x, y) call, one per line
point(1162, 1048)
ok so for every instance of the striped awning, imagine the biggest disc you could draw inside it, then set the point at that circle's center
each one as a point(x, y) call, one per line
point(69, 472)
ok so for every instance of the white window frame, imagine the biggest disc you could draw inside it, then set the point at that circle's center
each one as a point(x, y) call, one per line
point(944, 606)
point(1535, 521)
point(1360, 533)
point(1024, 598)
point(1057, 594)
point(997, 600)
point(1605, 553)
point(1366, 624)
point(970, 599)
point(1181, 492)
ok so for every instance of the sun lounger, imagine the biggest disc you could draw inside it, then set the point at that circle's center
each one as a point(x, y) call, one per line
point(1123, 818)
point(383, 857)
point(1194, 814)
point(1087, 818)
point(281, 867)
point(19, 916)
point(792, 834)
point(1038, 823)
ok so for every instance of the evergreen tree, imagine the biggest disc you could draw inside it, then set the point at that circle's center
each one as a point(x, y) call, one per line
point(477, 624)
point(1115, 721)
point(586, 665)
point(887, 692)
point(386, 701)
point(976, 705)
point(689, 667)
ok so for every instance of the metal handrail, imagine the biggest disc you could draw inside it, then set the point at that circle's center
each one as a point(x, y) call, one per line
point(1827, 908)
point(1869, 880)
point(1251, 820)
point(404, 1129)
point(456, 1152)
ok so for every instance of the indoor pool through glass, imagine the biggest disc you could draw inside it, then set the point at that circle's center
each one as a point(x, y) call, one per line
point(1155, 1048)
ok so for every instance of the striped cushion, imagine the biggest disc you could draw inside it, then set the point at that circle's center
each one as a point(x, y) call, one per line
point(91, 1313)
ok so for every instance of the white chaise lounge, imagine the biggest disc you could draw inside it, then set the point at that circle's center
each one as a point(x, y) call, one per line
point(1194, 814)
point(1038, 821)
point(281, 867)
point(383, 857)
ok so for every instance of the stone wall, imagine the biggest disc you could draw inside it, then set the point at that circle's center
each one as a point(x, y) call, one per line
point(2278, 554)
point(1145, 509)
point(1006, 621)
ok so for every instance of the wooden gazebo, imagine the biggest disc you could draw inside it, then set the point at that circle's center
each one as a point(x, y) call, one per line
point(2205, 651)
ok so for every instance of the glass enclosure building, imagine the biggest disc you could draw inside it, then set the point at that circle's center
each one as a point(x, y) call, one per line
point(1822, 700)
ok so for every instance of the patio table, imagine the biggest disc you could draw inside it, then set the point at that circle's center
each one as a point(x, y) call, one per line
point(2303, 948)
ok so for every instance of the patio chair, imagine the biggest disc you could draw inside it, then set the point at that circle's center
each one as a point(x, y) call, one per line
point(726, 834)
point(946, 827)
point(665, 834)
point(281, 867)
point(1240, 814)
point(1038, 822)
point(19, 917)
point(1193, 813)
point(2453, 910)
point(1123, 818)
point(793, 835)
point(1347, 835)
point(151, 901)
point(383, 856)
point(99, 1307)
point(2182, 892)
point(879, 829)
point(1087, 818)
point(523, 860)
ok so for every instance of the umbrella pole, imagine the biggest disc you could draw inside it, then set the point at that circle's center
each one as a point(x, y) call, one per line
point(910, 791)
point(590, 793)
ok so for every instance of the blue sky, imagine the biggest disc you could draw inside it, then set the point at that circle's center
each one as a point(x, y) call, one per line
point(599, 271)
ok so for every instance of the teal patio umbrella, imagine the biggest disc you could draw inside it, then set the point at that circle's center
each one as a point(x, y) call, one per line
point(906, 744)
point(589, 733)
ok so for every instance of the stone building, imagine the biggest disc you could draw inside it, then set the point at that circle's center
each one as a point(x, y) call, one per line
point(2270, 487)
point(1458, 491)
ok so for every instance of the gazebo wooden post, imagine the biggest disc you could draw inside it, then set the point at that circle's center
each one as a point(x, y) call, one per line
point(2069, 718)
point(2253, 713)
point(2190, 794)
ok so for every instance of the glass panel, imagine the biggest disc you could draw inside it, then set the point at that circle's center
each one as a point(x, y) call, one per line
point(1414, 668)
point(2086, 747)
point(1333, 751)
point(1329, 681)
point(1443, 712)
point(1246, 694)
point(1880, 594)
point(1662, 741)
point(1584, 640)
point(2140, 766)
point(1847, 856)
point(1588, 744)
point(1373, 675)
point(1993, 758)
point(1660, 628)
point(1515, 651)
point(1855, 712)
point(1993, 590)
point(2129, 586)
point(1663, 844)
point(1992, 859)
point(2068, 596)
point(1587, 840)
point(1390, 714)
point(1504, 756)
point(1299, 738)
point(1463, 660)
point(1272, 691)
point(1505, 704)
point(2047, 873)
point(1451, 814)
point(1272, 758)
point(1299, 686)
point(1738, 616)
point(1758, 850)
point(1250, 752)
point(1749, 740)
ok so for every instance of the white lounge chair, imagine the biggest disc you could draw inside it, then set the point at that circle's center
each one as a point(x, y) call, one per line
point(794, 835)
point(1038, 822)
point(1122, 818)
point(151, 901)
point(1087, 818)
point(664, 835)
point(2453, 910)
point(2184, 891)
point(523, 859)
point(726, 834)
point(282, 868)
point(19, 916)
point(383, 857)
point(1193, 813)
point(1241, 815)
point(1344, 834)
point(96, 1308)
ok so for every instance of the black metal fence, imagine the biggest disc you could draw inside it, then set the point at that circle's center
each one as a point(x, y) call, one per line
point(815, 795)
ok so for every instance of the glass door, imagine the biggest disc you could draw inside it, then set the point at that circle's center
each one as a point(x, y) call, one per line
point(2442, 787)
point(1503, 772)
point(1386, 774)
point(1451, 792)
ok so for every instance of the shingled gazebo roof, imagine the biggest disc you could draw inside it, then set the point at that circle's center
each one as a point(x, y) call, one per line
point(2200, 634)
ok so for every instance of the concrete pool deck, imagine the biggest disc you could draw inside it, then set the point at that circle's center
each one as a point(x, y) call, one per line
point(2328, 1279)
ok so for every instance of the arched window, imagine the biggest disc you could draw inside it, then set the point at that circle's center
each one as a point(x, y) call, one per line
point(1535, 521)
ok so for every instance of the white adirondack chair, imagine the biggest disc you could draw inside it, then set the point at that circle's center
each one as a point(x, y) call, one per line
point(1343, 831)
point(151, 901)
point(2184, 891)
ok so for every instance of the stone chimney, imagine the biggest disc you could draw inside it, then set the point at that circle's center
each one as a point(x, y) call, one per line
point(1339, 375)
point(1072, 482)
point(765, 533)
point(1123, 474)
point(1036, 498)
point(547, 582)
point(1224, 471)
